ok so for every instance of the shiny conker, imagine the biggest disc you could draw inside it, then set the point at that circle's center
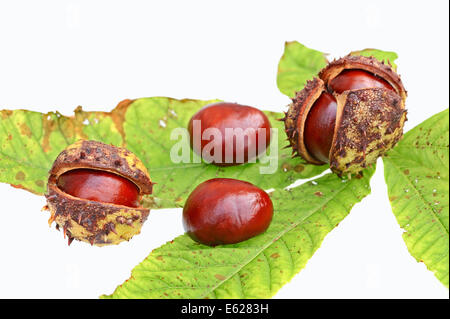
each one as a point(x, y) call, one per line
point(226, 211)
point(250, 126)
point(319, 126)
point(357, 79)
point(99, 186)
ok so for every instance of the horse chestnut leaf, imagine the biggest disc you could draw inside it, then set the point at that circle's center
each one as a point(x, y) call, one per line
point(226, 211)
point(228, 134)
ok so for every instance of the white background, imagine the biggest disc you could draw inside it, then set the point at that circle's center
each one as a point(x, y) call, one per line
point(55, 55)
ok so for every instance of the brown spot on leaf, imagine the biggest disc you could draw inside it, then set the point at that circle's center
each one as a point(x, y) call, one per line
point(25, 130)
point(118, 116)
point(20, 176)
point(48, 125)
point(318, 194)
point(286, 167)
point(275, 255)
point(220, 277)
point(6, 113)
point(39, 183)
point(406, 171)
point(75, 126)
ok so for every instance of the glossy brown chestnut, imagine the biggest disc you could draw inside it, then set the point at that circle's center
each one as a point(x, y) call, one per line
point(321, 120)
point(226, 211)
point(99, 186)
point(319, 127)
point(250, 128)
point(357, 79)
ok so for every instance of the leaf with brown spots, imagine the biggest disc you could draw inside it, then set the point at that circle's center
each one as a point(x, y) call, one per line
point(30, 141)
point(152, 143)
point(417, 175)
point(255, 268)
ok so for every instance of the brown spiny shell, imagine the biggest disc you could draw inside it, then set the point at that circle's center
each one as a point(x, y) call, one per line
point(95, 222)
point(369, 121)
point(296, 117)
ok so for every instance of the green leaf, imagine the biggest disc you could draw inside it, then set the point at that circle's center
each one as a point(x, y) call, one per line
point(416, 172)
point(150, 141)
point(297, 65)
point(385, 56)
point(30, 141)
point(255, 268)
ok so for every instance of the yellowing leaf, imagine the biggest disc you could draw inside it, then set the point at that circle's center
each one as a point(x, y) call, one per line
point(416, 172)
point(30, 142)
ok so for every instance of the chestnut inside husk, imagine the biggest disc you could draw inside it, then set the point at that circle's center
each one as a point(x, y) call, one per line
point(368, 121)
point(93, 221)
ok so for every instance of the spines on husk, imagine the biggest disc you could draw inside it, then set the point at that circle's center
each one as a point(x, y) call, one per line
point(369, 121)
point(294, 121)
point(94, 222)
